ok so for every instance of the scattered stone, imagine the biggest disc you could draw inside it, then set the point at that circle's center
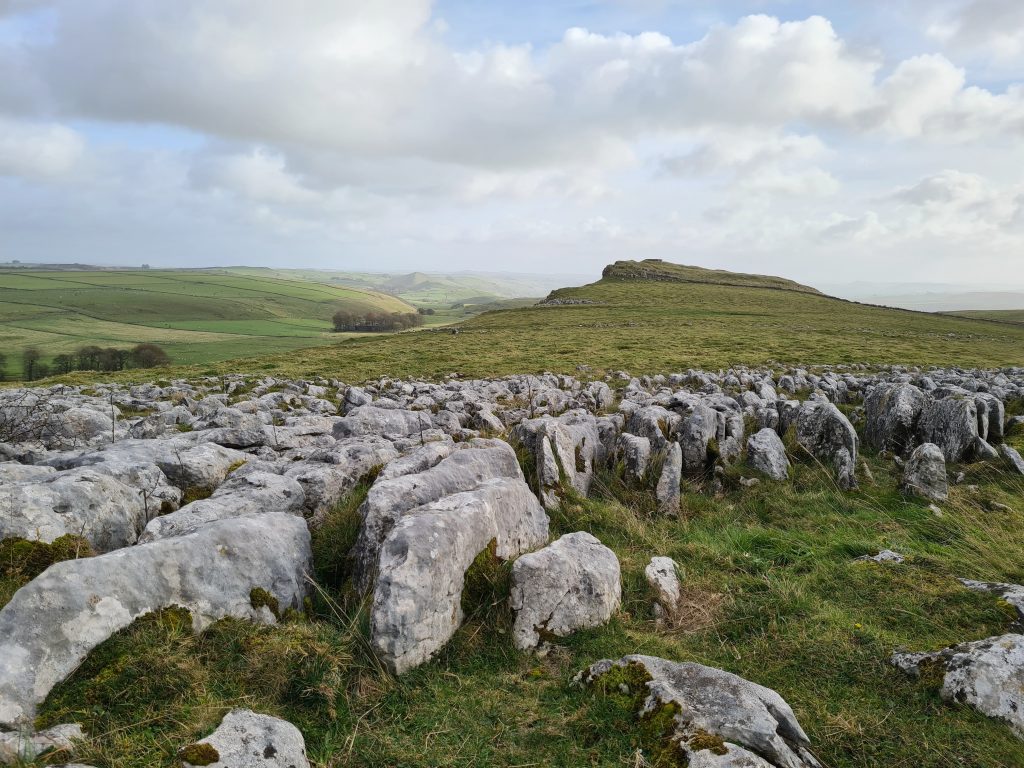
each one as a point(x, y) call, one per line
point(720, 718)
point(1013, 457)
point(635, 453)
point(662, 575)
point(885, 556)
point(766, 453)
point(573, 583)
point(986, 674)
point(245, 739)
point(1011, 593)
point(925, 473)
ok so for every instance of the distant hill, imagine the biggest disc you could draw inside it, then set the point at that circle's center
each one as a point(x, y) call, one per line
point(196, 315)
point(429, 289)
point(656, 269)
point(648, 317)
point(999, 315)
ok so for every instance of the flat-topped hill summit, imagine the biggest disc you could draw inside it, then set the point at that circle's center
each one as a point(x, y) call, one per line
point(656, 269)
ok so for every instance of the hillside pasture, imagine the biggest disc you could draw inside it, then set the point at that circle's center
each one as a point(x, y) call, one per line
point(198, 316)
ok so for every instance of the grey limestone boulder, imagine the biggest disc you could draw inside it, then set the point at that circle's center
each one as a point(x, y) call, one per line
point(767, 454)
point(985, 674)
point(952, 424)
point(573, 583)
point(825, 433)
point(423, 562)
point(925, 473)
point(891, 413)
point(390, 499)
point(244, 493)
point(748, 725)
point(52, 623)
point(245, 739)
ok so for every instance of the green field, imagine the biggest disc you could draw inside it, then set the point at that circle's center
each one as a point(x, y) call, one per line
point(198, 316)
point(999, 315)
point(650, 326)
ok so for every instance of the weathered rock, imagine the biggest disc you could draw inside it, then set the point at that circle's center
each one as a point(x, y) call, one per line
point(668, 490)
point(635, 453)
point(245, 493)
point(767, 454)
point(52, 623)
point(417, 598)
point(80, 501)
point(824, 432)
point(891, 412)
point(374, 420)
point(573, 583)
point(245, 739)
point(885, 556)
point(694, 434)
point(418, 460)
point(204, 466)
point(952, 424)
point(388, 500)
point(740, 716)
point(983, 451)
point(986, 674)
point(24, 746)
point(925, 473)
point(1013, 457)
point(991, 417)
point(663, 577)
point(566, 447)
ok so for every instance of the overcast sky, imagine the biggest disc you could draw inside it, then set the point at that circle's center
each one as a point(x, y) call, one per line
point(823, 141)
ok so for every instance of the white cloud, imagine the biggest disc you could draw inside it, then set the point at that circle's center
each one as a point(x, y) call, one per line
point(37, 150)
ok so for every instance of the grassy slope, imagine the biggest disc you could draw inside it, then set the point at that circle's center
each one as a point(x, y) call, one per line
point(198, 316)
point(651, 326)
point(775, 596)
point(1002, 315)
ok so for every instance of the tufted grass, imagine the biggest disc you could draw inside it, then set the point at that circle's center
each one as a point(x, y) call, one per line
point(775, 596)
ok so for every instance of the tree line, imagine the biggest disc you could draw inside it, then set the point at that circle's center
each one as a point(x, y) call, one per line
point(344, 320)
point(88, 358)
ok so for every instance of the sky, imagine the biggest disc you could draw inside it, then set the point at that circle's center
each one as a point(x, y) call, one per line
point(822, 141)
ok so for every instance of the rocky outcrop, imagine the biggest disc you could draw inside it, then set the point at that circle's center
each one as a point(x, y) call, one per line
point(573, 583)
point(423, 562)
point(245, 493)
point(925, 473)
point(767, 454)
point(389, 500)
point(952, 424)
point(1013, 458)
point(891, 412)
point(19, 747)
point(50, 625)
point(245, 739)
point(719, 718)
point(825, 433)
point(83, 501)
point(563, 448)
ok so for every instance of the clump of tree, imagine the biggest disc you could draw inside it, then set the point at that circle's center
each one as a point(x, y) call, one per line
point(92, 358)
point(375, 322)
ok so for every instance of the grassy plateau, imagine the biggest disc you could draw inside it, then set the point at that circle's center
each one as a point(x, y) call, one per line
point(673, 319)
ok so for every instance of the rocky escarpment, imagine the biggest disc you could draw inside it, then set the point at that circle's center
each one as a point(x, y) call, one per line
point(201, 494)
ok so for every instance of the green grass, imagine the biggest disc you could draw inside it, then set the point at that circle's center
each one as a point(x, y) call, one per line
point(774, 595)
point(198, 316)
point(1000, 315)
point(651, 326)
